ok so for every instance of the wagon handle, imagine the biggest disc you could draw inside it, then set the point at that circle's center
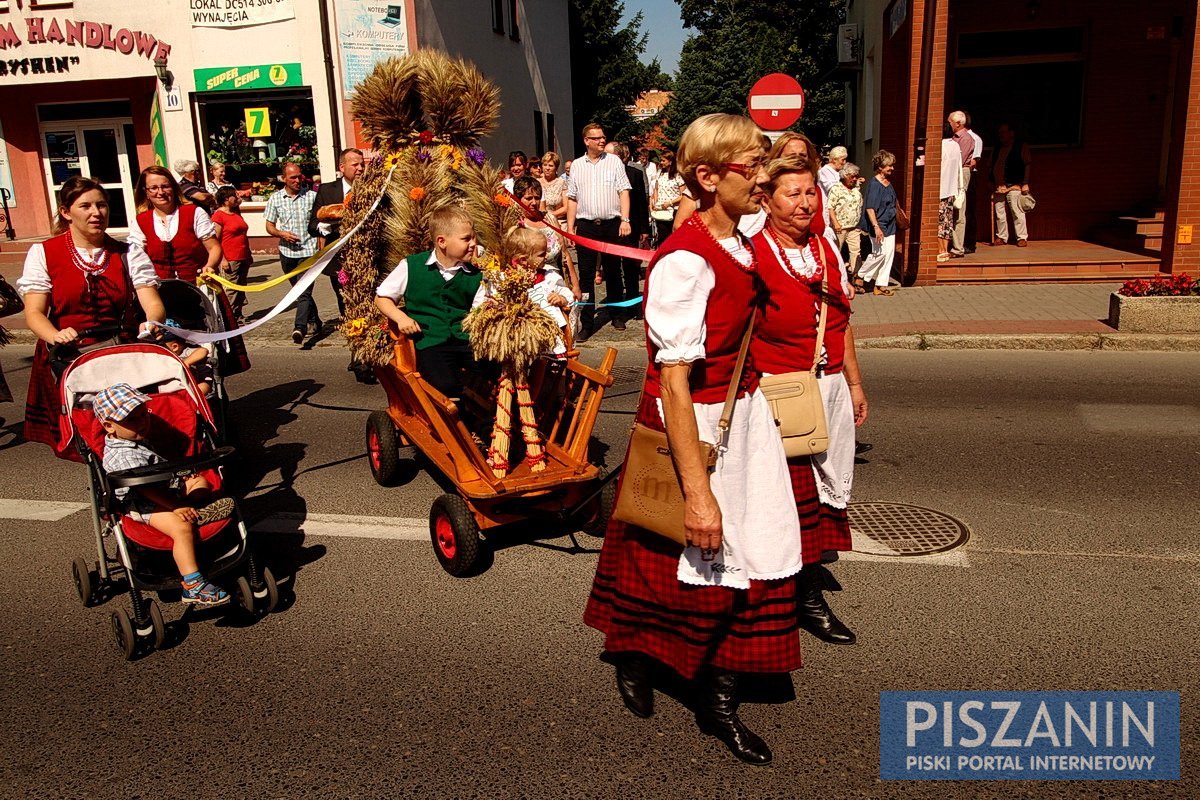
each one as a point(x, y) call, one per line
point(406, 353)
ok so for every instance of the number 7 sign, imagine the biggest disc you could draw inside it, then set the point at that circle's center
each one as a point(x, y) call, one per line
point(258, 123)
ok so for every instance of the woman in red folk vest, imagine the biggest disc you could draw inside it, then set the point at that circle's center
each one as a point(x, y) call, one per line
point(80, 278)
point(794, 256)
point(726, 603)
point(183, 243)
point(178, 236)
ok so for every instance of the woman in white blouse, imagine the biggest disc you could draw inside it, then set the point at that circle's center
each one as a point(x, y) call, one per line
point(78, 280)
point(178, 236)
point(723, 604)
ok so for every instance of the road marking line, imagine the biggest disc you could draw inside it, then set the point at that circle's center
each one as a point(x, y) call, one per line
point(346, 525)
point(38, 510)
point(1180, 558)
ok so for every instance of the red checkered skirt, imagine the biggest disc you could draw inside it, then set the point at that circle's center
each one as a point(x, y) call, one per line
point(641, 606)
point(823, 528)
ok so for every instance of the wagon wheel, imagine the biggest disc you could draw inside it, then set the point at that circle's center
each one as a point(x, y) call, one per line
point(602, 509)
point(455, 535)
point(158, 624)
point(383, 451)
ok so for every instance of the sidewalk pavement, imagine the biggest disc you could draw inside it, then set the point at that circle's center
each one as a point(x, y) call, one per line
point(1047, 316)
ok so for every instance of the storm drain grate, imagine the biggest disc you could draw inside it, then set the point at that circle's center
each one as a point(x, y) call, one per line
point(894, 529)
point(627, 379)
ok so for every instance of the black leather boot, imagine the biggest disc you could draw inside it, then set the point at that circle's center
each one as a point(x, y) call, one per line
point(815, 615)
point(717, 716)
point(633, 684)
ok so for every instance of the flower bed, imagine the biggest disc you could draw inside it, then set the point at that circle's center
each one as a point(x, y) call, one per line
point(1163, 304)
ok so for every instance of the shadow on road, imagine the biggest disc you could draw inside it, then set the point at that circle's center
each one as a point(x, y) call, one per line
point(261, 415)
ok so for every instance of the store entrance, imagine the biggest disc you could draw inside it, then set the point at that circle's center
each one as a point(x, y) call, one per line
point(93, 148)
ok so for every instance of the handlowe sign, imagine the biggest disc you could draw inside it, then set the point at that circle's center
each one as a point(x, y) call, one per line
point(261, 76)
point(1029, 736)
point(239, 13)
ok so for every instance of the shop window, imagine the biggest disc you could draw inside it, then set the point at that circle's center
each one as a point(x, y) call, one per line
point(255, 133)
point(1032, 79)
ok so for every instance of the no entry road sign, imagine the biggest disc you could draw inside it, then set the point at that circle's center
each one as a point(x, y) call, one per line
point(776, 101)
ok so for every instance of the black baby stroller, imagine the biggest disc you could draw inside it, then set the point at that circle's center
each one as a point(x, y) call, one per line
point(185, 436)
point(201, 308)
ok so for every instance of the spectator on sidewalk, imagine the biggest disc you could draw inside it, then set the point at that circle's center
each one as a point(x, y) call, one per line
point(630, 275)
point(969, 208)
point(231, 230)
point(597, 208)
point(216, 180)
point(950, 189)
point(189, 184)
point(966, 146)
point(879, 223)
point(648, 167)
point(517, 161)
point(554, 188)
point(845, 211)
point(1010, 176)
point(829, 175)
point(667, 195)
point(287, 214)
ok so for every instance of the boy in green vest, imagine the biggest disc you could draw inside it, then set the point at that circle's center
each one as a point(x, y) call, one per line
point(437, 288)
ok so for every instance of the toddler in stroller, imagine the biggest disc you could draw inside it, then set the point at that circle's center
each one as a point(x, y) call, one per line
point(195, 357)
point(128, 444)
point(169, 520)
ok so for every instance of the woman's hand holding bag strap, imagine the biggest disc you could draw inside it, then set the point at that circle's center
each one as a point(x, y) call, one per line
point(795, 397)
point(651, 495)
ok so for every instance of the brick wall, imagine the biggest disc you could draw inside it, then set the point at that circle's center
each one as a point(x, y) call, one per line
point(1183, 187)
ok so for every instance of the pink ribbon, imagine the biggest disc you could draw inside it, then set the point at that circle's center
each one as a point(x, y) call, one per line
point(619, 250)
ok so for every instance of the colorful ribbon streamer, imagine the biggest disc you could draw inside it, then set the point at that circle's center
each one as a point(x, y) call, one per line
point(212, 277)
point(311, 269)
point(619, 250)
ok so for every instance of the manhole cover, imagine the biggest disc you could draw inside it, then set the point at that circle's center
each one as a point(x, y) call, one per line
point(894, 529)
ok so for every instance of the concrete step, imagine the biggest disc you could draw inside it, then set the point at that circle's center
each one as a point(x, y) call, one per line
point(20, 246)
point(1141, 225)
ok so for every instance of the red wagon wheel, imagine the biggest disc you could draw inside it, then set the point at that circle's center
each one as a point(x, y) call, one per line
point(455, 535)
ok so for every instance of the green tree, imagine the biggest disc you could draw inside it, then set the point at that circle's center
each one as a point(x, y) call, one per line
point(607, 73)
point(739, 41)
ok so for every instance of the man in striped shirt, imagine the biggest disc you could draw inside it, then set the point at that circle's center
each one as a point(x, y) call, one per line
point(598, 208)
point(286, 215)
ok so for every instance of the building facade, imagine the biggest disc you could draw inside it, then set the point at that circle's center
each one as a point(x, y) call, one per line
point(105, 88)
point(1105, 95)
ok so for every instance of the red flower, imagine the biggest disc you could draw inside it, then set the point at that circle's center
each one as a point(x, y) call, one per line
point(425, 137)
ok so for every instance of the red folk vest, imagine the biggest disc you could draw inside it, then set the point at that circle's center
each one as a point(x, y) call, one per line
point(184, 256)
point(80, 301)
point(786, 335)
point(732, 301)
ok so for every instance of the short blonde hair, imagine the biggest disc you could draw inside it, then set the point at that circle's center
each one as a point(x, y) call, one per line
point(522, 241)
point(714, 139)
point(882, 159)
point(442, 221)
point(553, 158)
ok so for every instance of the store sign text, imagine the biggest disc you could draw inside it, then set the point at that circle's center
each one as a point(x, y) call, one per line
point(92, 35)
point(37, 66)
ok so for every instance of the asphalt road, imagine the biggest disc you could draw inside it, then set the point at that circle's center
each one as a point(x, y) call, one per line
point(1076, 473)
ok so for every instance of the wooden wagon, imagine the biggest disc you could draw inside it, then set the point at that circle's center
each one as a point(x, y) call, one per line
point(566, 395)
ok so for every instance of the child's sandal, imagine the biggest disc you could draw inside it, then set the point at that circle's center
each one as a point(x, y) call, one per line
point(221, 508)
point(204, 594)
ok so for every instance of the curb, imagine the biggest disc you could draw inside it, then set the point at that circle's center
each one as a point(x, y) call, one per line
point(1123, 342)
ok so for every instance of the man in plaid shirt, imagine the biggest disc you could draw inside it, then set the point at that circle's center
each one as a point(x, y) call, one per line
point(287, 216)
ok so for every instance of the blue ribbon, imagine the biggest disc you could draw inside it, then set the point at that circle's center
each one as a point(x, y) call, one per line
point(622, 304)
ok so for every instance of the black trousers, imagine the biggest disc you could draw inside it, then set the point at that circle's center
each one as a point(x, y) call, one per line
point(443, 365)
point(591, 262)
point(629, 277)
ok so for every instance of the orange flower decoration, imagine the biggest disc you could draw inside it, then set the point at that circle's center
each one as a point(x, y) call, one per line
point(417, 193)
point(503, 199)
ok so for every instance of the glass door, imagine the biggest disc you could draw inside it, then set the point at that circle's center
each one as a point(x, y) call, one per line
point(94, 149)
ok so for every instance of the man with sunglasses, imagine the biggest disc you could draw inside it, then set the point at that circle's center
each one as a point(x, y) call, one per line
point(597, 208)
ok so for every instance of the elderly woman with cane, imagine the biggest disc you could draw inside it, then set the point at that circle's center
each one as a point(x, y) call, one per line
point(724, 604)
